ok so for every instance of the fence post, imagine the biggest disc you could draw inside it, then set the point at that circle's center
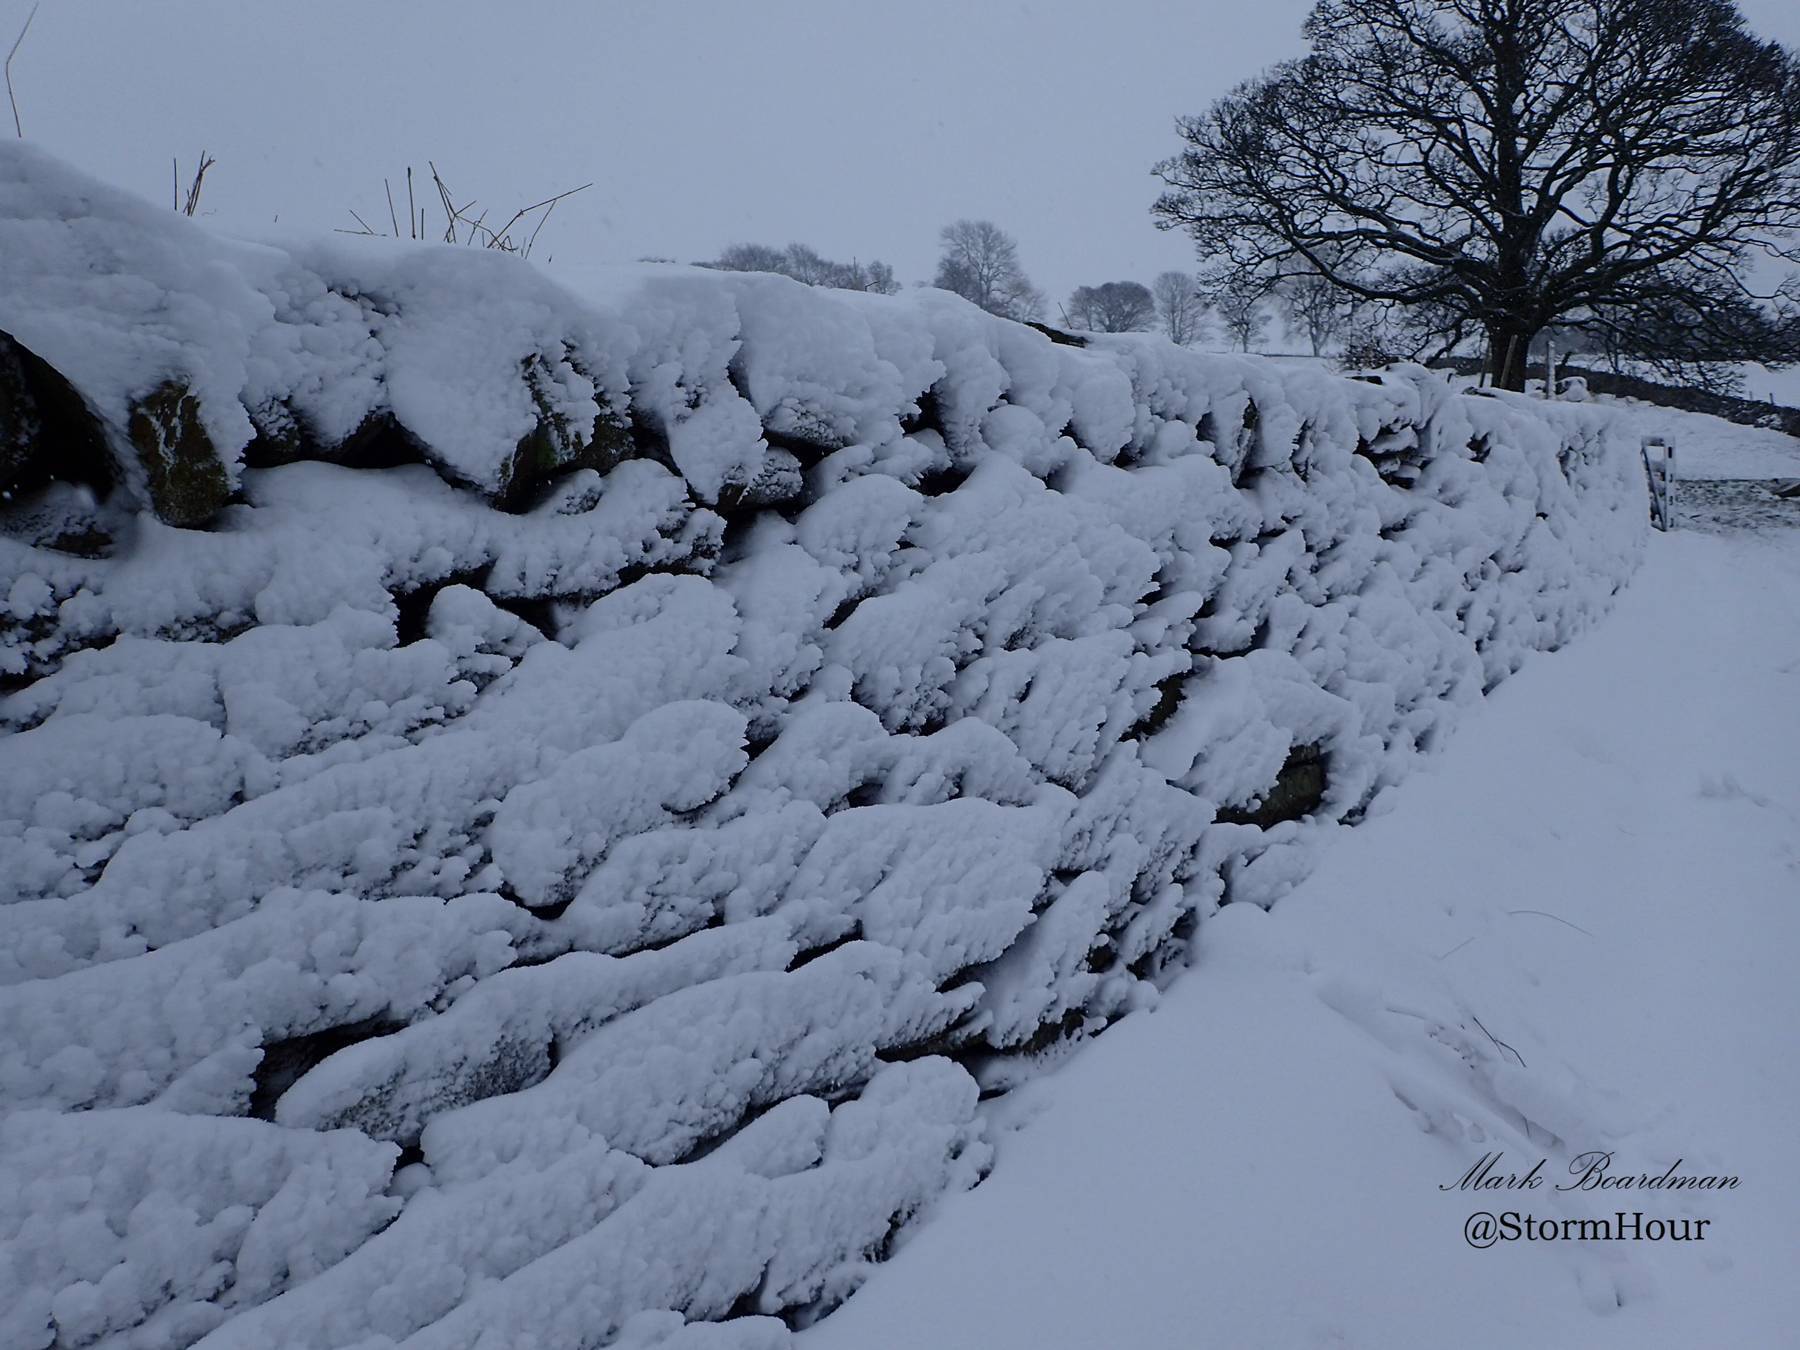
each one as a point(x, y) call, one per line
point(1660, 470)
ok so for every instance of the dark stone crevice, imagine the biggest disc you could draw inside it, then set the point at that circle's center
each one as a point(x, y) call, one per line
point(48, 433)
point(285, 1062)
point(1298, 790)
point(1168, 699)
point(1057, 335)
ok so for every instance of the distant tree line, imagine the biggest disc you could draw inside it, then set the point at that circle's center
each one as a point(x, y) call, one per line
point(1441, 176)
point(979, 261)
point(806, 264)
point(1436, 178)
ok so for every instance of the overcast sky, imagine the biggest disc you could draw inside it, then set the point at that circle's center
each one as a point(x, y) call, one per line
point(859, 128)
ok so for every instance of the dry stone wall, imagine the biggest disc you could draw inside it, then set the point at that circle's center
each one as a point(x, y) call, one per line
point(534, 804)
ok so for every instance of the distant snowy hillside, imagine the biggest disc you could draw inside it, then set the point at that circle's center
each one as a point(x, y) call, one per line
point(532, 803)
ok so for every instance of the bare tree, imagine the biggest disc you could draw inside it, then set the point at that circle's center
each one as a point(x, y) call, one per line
point(1690, 341)
point(859, 276)
point(1312, 304)
point(1240, 300)
point(1513, 162)
point(1375, 334)
point(980, 262)
point(805, 264)
point(751, 258)
point(1112, 307)
point(1179, 308)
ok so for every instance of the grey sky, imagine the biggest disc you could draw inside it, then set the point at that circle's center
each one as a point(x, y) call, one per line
point(859, 128)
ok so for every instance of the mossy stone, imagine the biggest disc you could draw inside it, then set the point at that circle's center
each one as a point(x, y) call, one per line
point(555, 445)
point(188, 480)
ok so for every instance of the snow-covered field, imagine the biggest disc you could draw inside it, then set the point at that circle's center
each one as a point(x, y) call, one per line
point(1764, 384)
point(1602, 868)
point(537, 802)
point(1710, 447)
point(1776, 384)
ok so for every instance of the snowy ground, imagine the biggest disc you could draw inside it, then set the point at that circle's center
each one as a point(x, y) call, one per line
point(1734, 504)
point(1259, 1161)
point(1768, 384)
point(1710, 447)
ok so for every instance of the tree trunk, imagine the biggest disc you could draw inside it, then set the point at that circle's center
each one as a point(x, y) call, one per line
point(1508, 347)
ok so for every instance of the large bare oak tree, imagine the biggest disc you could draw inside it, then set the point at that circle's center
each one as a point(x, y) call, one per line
point(1505, 163)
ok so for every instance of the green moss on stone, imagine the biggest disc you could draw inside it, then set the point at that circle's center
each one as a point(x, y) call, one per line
point(188, 480)
point(555, 445)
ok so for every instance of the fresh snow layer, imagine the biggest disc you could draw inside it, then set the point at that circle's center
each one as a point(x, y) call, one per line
point(1710, 447)
point(462, 917)
point(1600, 873)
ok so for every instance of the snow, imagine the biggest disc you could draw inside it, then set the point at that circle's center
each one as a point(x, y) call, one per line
point(760, 720)
point(1776, 384)
point(1599, 873)
point(115, 1220)
point(1708, 447)
point(498, 1036)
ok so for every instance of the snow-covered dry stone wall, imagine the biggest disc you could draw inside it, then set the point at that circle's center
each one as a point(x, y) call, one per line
point(533, 804)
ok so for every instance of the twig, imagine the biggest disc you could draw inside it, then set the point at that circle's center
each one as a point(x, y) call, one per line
point(18, 130)
point(1499, 1044)
point(529, 243)
point(193, 197)
point(449, 204)
point(1458, 947)
point(1542, 914)
point(463, 218)
point(1564, 922)
point(500, 240)
point(551, 201)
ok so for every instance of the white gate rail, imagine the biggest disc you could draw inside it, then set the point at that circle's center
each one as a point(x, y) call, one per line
point(1659, 467)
